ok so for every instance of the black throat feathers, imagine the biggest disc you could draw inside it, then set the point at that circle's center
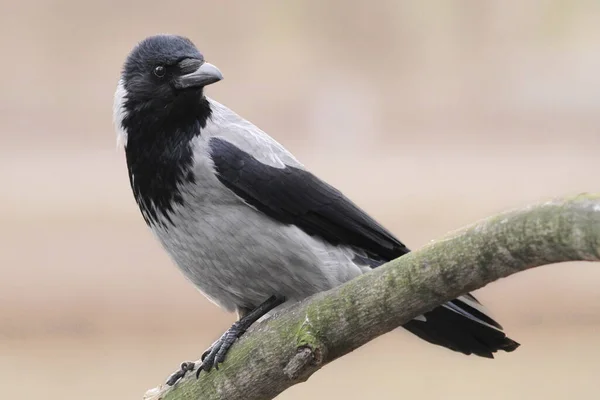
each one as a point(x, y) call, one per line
point(160, 156)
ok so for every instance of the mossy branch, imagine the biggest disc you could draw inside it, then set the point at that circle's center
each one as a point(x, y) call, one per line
point(289, 347)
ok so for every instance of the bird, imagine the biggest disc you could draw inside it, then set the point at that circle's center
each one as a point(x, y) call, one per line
point(246, 222)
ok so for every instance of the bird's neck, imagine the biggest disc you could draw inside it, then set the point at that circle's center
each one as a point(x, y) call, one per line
point(160, 156)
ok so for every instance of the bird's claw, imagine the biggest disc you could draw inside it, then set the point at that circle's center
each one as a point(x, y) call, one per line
point(185, 367)
point(216, 353)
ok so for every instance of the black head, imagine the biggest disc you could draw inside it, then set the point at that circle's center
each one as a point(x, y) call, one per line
point(164, 72)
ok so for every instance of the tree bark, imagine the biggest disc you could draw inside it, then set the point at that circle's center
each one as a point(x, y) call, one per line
point(289, 347)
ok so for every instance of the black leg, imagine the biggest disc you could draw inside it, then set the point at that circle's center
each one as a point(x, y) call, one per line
point(217, 352)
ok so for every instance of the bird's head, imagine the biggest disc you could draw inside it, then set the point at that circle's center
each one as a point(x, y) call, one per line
point(163, 75)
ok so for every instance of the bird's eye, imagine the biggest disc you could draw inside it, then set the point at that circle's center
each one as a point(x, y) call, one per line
point(160, 71)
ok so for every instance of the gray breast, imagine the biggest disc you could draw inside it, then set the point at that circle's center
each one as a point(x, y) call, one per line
point(237, 256)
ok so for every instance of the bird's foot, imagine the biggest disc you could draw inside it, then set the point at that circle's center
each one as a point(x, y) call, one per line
point(186, 367)
point(216, 353)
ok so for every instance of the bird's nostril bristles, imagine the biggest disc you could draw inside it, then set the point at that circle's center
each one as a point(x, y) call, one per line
point(189, 65)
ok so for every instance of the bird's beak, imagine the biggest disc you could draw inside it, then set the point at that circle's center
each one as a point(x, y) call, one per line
point(196, 74)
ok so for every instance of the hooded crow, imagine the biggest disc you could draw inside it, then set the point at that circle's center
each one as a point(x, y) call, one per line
point(240, 216)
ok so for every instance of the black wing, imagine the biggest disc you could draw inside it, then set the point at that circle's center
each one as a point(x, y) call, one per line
point(295, 196)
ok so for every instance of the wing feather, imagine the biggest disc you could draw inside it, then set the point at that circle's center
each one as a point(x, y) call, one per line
point(293, 195)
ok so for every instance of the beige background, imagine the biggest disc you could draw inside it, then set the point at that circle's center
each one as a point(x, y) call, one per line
point(429, 114)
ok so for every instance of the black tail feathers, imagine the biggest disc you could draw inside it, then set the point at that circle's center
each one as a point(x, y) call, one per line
point(462, 325)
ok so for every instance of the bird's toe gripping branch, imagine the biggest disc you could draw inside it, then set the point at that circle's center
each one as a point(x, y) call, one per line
point(212, 357)
point(216, 353)
point(186, 367)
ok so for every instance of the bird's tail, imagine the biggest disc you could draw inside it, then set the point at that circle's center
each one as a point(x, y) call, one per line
point(462, 325)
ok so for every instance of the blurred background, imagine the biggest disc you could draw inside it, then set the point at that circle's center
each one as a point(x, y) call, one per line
point(429, 114)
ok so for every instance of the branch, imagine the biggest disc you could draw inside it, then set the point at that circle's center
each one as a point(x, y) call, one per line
point(289, 347)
